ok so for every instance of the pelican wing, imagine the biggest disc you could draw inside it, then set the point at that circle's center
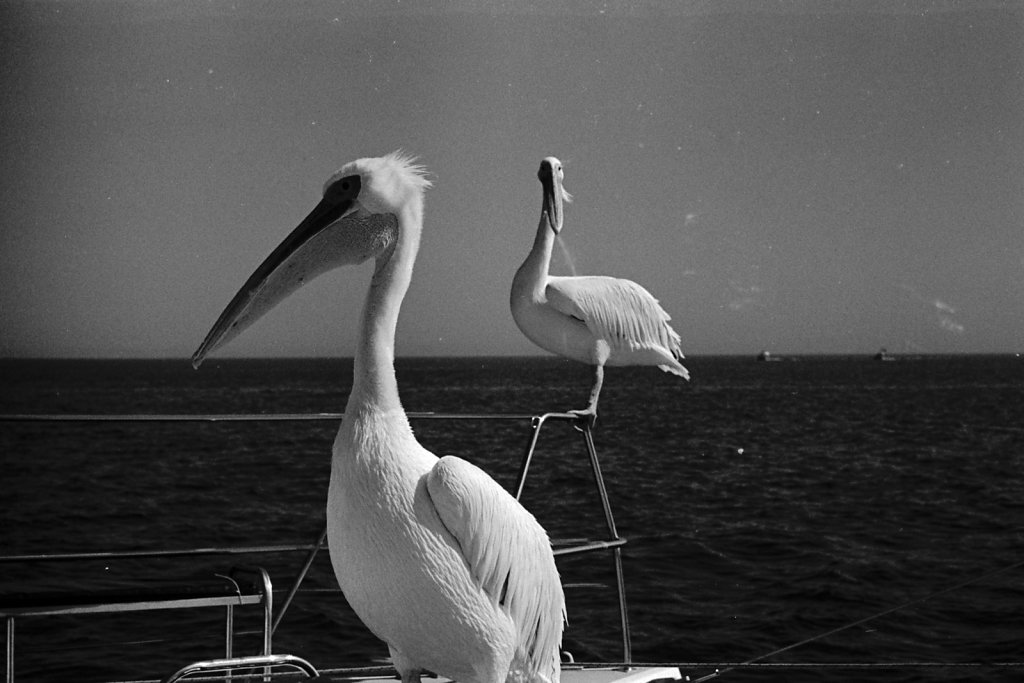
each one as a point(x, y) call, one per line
point(619, 311)
point(508, 553)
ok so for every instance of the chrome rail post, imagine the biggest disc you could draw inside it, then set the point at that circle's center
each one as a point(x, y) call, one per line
point(229, 636)
point(588, 437)
point(229, 631)
point(267, 589)
point(268, 611)
point(627, 646)
point(268, 606)
point(10, 649)
point(536, 422)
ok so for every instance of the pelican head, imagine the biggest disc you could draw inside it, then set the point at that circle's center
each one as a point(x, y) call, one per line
point(550, 175)
point(356, 219)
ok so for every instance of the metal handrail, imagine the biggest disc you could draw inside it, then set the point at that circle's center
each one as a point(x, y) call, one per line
point(258, 417)
point(239, 550)
point(148, 601)
point(583, 425)
point(150, 554)
point(229, 665)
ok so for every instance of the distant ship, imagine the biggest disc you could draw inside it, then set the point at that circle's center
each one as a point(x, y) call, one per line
point(884, 355)
point(767, 356)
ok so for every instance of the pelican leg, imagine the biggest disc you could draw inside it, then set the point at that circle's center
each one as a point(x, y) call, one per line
point(409, 672)
point(590, 412)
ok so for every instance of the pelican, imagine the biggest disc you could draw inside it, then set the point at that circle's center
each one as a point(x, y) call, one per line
point(593, 319)
point(434, 556)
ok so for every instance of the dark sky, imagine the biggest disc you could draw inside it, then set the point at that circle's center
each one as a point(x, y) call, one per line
point(817, 178)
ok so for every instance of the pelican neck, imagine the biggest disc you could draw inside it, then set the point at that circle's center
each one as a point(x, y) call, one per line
point(538, 261)
point(374, 382)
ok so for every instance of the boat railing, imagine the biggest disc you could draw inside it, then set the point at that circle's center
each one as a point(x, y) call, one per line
point(242, 585)
point(611, 543)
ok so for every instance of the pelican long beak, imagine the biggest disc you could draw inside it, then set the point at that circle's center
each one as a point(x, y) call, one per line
point(327, 238)
point(550, 175)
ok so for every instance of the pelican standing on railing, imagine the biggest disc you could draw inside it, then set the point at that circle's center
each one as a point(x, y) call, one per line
point(592, 319)
point(434, 556)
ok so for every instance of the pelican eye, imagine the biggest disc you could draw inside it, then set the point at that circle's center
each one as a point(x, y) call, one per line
point(345, 188)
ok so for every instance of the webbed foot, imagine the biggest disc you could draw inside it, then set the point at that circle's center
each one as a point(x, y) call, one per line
point(587, 416)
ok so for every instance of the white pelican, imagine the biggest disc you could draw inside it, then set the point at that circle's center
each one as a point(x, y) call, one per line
point(592, 319)
point(435, 557)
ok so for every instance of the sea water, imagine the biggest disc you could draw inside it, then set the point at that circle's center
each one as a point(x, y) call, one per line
point(764, 504)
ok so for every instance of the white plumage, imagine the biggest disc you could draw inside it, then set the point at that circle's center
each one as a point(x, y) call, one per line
point(434, 556)
point(592, 319)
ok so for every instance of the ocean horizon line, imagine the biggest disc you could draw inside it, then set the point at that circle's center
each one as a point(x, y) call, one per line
point(753, 355)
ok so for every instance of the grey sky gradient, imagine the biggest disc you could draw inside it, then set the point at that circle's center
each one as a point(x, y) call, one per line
point(817, 178)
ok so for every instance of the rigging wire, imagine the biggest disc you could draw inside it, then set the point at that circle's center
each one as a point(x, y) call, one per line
point(826, 634)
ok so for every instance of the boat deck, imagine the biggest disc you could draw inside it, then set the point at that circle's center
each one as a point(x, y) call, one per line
point(570, 674)
point(275, 667)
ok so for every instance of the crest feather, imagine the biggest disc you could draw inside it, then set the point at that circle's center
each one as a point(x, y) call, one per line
point(407, 165)
point(399, 162)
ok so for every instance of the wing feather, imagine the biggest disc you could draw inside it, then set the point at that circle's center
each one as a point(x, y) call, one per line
point(619, 311)
point(508, 553)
